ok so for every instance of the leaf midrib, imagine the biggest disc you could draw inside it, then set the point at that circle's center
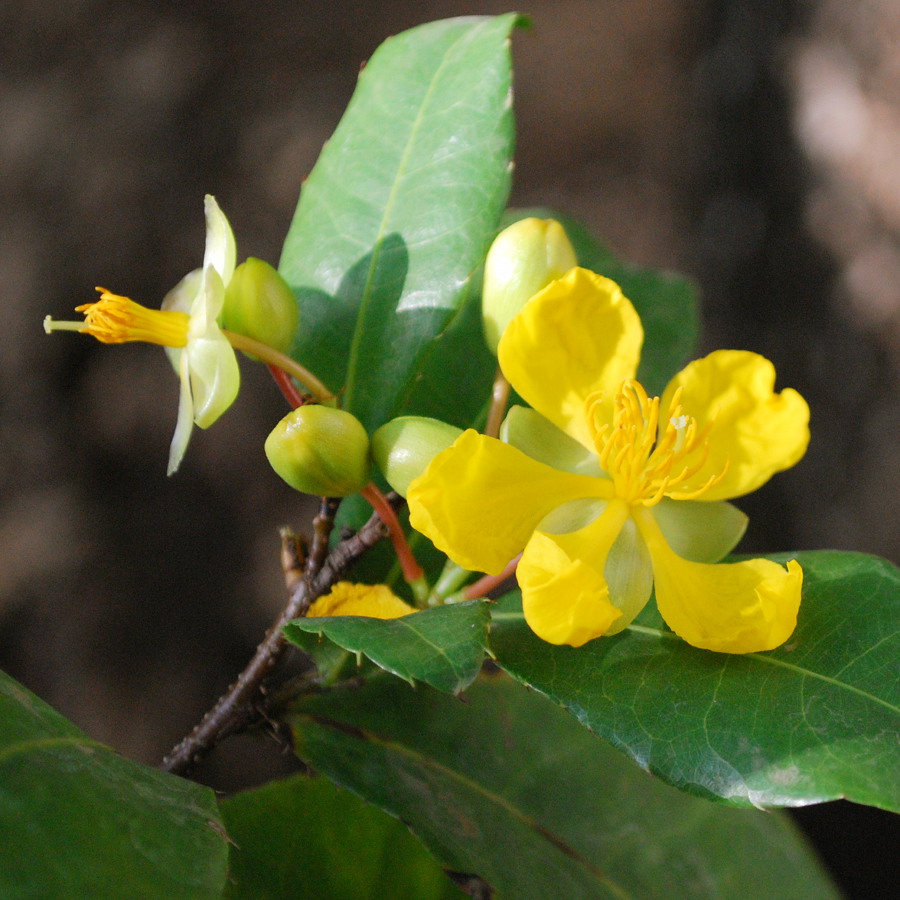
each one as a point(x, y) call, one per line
point(358, 330)
point(477, 787)
point(809, 673)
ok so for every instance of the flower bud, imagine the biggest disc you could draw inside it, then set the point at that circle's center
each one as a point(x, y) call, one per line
point(320, 450)
point(524, 259)
point(260, 305)
point(403, 447)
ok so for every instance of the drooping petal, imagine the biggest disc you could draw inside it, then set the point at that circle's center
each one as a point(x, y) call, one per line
point(480, 500)
point(185, 421)
point(565, 596)
point(742, 607)
point(535, 435)
point(700, 531)
point(755, 432)
point(221, 250)
point(577, 336)
point(377, 601)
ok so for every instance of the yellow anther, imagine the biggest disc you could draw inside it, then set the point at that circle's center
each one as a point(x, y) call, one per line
point(646, 462)
point(114, 320)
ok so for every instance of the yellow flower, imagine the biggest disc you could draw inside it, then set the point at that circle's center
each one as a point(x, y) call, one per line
point(609, 490)
point(347, 599)
point(186, 326)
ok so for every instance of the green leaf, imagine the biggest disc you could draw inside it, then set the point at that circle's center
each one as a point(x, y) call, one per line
point(509, 788)
point(398, 212)
point(443, 647)
point(667, 303)
point(306, 839)
point(814, 720)
point(77, 820)
point(454, 381)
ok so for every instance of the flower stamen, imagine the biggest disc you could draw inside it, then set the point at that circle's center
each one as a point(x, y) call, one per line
point(114, 319)
point(645, 462)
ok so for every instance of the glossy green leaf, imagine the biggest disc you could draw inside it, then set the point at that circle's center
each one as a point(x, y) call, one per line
point(308, 840)
point(454, 382)
point(78, 820)
point(443, 647)
point(814, 720)
point(509, 789)
point(397, 214)
point(667, 303)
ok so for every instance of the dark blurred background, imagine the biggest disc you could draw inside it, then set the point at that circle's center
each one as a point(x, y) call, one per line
point(754, 145)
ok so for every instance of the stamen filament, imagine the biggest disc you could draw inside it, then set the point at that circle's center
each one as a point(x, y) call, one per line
point(646, 462)
point(114, 319)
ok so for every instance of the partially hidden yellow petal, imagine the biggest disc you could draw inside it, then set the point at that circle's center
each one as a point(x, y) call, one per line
point(480, 500)
point(565, 597)
point(755, 432)
point(742, 607)
point(577, 336)
point(347, 599)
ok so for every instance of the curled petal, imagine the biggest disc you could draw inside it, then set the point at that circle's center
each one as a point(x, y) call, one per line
point(183, 296)
point(377, 601)
point(185, 422)
point(480, 500)
point(565, 596)
point(578, 336)
point(755, 432)
point(215, 377)
point(221, 251)
point(742, 607)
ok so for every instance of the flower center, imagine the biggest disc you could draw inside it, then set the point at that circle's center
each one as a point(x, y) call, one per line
point(114, 320)
point(646, 462)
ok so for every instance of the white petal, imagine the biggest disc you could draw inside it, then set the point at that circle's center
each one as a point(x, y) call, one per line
point(215, 376)
point(185, 421)
point(221, 251)
point(182, 297)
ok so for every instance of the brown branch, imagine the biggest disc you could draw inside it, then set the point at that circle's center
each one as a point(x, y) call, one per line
point(238, 707)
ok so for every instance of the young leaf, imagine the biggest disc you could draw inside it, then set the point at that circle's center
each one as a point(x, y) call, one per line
point(443, 647)
point(667, 303)
point(78, 820)
point(306, 839)
point(814, 720)
point(508, 791)
point(397, 214)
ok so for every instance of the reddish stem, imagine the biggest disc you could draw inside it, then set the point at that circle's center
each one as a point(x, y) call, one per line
point(489, 582)
point(412, 571)
point(291, 392)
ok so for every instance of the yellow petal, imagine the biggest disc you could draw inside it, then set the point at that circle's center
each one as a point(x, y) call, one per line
point(480, 500)
point(742, 607)
point(565, 597)
point(755, 432)
point(347, 599)
point(577, 336)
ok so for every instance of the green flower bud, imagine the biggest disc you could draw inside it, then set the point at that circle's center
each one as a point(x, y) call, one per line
point(260, 305)
point(320, 450)
point(403, 447)
point(523, 260)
